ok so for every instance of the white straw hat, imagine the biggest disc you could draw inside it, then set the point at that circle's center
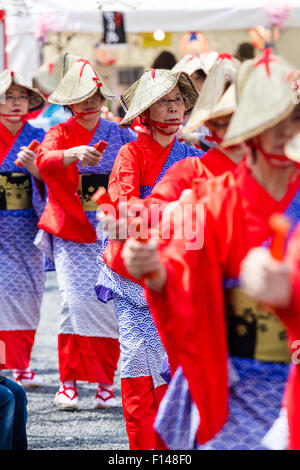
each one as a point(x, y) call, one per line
point(153, 85)
point(192, 62)
point(8, 77)
point(49, 75)
point(80, 81)
point(265, 87)
point(217, 97)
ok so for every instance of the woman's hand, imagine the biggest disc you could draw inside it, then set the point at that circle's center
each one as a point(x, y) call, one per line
point(266, 279)
point(86, 154)
point(27, 158)
point(141, 260)
point(187, 137)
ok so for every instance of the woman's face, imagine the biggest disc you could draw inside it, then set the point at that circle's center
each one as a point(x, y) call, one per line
point(169, 109)
point(219, 125)
point(198, 80)
point(16, 102)
point(89, 107)
point(274, 140)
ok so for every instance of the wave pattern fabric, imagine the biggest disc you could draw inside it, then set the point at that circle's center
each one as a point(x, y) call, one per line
point(21, 263)
point(77, 273)
point(254, 405)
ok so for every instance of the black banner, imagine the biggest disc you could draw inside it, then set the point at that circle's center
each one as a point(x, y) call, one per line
point(114, 30)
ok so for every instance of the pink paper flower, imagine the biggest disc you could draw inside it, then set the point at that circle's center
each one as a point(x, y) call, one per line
point(52, 21)
point(277, 13)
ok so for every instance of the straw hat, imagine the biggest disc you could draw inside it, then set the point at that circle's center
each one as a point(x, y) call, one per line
point(292, 149)
point(217, 97)
point(8, 77)
point(80, 81)
point(192, 62)
point(153, 85)
point(49, 75)
point(264, 96)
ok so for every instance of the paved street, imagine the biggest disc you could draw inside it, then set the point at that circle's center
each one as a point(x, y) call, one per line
point(51, 428)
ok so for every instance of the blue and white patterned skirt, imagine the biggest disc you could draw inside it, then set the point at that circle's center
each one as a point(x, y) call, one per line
point(142, 352)
point(21, 272)
point(77, 273)
point(254, 405)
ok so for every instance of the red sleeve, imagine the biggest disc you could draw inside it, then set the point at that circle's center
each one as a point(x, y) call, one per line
point(190, 318)
point(50, 157)
point(124, 182)
point(63, 215)
point(291, 315)
point(178, 178)
point(125, 178)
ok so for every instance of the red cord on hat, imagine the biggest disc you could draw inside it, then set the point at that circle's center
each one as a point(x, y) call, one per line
point(24, 117)
point(80, 115)
point(50, 68)
point(266, 59)
point(98, 82)
point(193, 56)
point(225, 56)
point(213, 137)
point(159, 126)
point(268, 156)
point(87, 62)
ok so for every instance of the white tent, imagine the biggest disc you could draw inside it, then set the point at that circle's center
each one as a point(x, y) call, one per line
point(170, 15)
point(140, 16)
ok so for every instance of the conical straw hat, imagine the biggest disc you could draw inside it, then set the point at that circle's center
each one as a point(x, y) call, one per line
point(192, 62)
point(153, 85)
point(217, 97)
point(8, 77)
point(265, 88)
point(292, 149)
point(49, 75)
point(80, 81)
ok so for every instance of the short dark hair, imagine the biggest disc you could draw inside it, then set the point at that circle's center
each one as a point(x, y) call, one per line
point(254, 154)
point(68, 109)
point(201, 74)
point(245, 51)
point(165, 60)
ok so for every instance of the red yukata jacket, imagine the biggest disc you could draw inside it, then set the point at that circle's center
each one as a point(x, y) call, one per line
point(190, 312)
point(64, 215)
point(7, 140)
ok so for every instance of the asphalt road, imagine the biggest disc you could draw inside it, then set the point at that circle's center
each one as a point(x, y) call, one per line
point(51, 428)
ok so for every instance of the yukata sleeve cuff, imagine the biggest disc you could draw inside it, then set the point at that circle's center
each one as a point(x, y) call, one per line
point(50, 161)
point(51, 166)
point(104, 294)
